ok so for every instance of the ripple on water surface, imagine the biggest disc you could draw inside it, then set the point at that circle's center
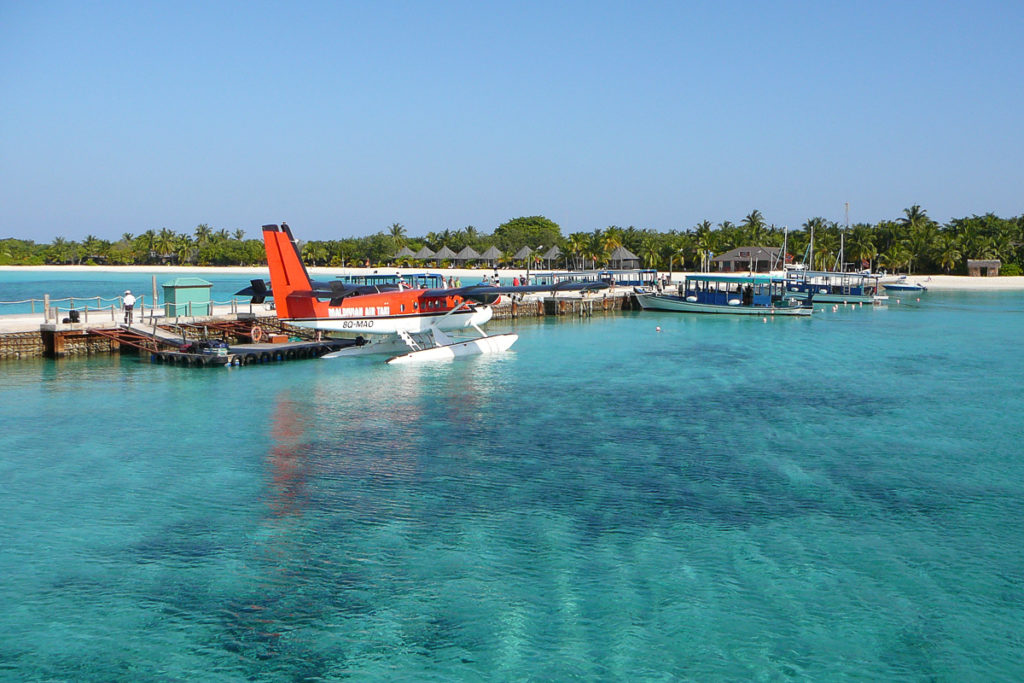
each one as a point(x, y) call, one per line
point(725, 499)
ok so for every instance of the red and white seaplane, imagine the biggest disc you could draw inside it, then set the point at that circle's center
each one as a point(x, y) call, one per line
point(408, 323)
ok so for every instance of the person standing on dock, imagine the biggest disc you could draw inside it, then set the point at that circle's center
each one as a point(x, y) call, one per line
point(129, 305)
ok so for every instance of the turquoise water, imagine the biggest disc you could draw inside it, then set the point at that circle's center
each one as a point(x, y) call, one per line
point(18, 288)
point(833, 498)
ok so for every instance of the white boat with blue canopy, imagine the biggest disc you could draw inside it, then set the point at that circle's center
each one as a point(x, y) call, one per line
point(728, 294)
point(636, 277)
point(413, 280)
point(832, 287)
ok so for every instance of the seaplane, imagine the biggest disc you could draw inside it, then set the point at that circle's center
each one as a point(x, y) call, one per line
point(409, 324)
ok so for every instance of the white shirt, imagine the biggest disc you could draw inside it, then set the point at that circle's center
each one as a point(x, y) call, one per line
point(129, 299)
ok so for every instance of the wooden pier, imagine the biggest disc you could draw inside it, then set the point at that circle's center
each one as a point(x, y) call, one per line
point(162, 338)
point(252, 354)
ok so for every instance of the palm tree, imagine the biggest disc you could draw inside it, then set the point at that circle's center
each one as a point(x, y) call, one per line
point(921, 241)
point(896, 256)
point(914, 217)
point(577, 247)
point(826, 249)
point(239, 234)
point(470, 236)
point(597, 247)
point(93, 247)
point(148, 239)
point(184, 249)
point(650, 251)
point(315, 252)
point(60, 249)
point(947, 252)
point(397, 232)
point(704, 244)
point(613, 238)
point(202, 233)
point(753, 226)
point(165, 242)
point(860, 245)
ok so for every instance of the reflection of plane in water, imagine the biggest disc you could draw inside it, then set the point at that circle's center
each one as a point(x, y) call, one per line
point(410, 323)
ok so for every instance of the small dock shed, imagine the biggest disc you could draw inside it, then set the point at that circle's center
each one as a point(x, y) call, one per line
point(983, 268)
point(187, 296)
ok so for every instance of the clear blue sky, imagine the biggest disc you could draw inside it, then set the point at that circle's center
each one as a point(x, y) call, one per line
point(345, 117)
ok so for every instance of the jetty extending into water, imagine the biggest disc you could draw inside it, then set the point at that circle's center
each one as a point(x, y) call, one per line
point(174, 339)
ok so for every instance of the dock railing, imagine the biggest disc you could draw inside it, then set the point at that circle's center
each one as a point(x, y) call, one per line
point(98, 308)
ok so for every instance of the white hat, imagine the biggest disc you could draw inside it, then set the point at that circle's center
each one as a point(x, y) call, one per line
point(127, 291)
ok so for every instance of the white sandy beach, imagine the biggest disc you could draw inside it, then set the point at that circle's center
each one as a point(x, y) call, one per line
point(470, 275)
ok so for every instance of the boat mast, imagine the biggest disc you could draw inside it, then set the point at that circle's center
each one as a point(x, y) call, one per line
point(842, 266)
point(810, 248)
point(781, 258)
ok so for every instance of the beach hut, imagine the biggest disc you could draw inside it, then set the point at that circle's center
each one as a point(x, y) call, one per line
point(444, 254)
point(468, 253)
point(623, 259)
point(523, 254)
point(983, 267)
point(552, 254)
point(753, 259)
point(491, 256)
point(424, 253)
point(404, 252)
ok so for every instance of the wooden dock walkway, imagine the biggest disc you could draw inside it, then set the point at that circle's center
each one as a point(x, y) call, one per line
point(101, 331)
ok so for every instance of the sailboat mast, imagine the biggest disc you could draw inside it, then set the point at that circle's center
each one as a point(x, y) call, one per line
point(842, 266)
point(810, 247)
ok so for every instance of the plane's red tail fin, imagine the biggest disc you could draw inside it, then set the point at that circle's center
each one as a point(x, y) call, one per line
point(287, 272)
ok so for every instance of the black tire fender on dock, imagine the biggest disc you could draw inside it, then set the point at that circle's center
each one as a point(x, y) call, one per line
point(264, 357)
point(248, 359)
point(289, 354)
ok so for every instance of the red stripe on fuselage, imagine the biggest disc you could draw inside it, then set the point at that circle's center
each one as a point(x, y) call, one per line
point(404, 303)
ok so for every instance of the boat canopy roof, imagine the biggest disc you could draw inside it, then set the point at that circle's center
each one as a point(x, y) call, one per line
point(831, 273)
point(729, 277)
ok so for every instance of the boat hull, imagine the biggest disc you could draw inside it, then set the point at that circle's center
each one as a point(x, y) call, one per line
point(835, 298)
point(663, 302)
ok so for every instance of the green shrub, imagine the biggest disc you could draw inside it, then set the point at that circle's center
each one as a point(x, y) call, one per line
point(1011, 269)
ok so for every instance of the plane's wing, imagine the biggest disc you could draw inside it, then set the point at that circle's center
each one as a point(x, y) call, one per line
point(334, 290)
point(488, 293)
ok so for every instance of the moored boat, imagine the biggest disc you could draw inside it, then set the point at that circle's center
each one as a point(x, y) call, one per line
point(727, 294)
point(830, 287)
point(904, 285)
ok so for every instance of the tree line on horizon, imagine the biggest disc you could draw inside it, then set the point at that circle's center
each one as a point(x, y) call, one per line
point(912, 243)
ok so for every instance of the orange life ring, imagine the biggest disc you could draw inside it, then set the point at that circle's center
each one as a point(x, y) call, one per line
point(256, 333)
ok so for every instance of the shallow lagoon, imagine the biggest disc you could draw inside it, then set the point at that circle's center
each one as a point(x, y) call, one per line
point(725, 499)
